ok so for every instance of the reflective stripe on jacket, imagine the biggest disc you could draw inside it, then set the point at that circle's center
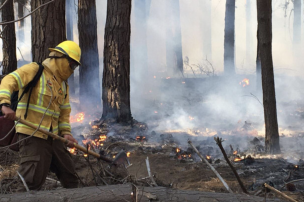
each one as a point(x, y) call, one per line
point(49, 98)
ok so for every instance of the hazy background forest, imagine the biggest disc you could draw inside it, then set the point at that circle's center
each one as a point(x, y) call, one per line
point(203, 107)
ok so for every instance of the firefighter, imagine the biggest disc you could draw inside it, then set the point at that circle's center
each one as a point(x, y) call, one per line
point(49, 108)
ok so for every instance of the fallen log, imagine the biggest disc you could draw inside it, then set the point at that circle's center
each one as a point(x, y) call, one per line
point(123, 193)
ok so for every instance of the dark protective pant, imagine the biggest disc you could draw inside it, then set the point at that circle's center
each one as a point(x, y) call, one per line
point(38, 156)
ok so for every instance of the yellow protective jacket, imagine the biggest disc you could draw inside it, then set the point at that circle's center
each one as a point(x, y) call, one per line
point(50, 91)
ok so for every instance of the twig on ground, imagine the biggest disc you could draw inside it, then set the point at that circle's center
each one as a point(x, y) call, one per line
point(149, 171)
point(212, 168)
point(219, 143)
point(23, 181)
point(278, 192)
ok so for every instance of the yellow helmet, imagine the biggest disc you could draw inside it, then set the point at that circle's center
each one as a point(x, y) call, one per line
point(69, 48)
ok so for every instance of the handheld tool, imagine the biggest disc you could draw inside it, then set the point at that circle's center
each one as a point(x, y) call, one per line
point(120, 159)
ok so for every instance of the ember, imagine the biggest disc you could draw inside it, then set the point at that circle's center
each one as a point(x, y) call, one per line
point(77, 118)
point(177, 150)
point(237, 159)
point(235, 153)
point(140, 138)
point(244, 82)
point(128, 154)
point(72, 150)
point(208, 157)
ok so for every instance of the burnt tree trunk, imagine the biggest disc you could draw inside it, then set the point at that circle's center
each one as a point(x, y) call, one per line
point(116, 72)
point(89, 92)
point(9, 39)
point(48, 27)
point(264, 9)
point(297, 22)
point(69, 4)
point(229, 66)
point(174, 55)
point(258, 67)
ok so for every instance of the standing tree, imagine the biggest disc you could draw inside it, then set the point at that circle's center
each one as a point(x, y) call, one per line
point(248, 31)
point(21, 4)
point(229, 66)
point(116, 72)
point(297, 22)
point(89, 92)
point(8, 38)
point(174, 52)
point(264, 9)
point(48, 27)
point(69, 4)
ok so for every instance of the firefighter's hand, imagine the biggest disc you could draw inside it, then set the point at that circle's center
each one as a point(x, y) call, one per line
point(8, 113)
point(71, 140)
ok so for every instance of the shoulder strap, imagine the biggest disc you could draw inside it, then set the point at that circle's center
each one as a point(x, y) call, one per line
point(30, 85)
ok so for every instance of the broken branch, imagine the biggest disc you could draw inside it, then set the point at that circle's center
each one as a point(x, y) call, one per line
point(212, 168)
point(219, 143)
point(278, 192)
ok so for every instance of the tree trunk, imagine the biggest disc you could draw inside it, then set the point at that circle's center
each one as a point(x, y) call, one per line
point(116, 72)
point(174, 55)
point(248, 31)
point(69, 26)
point(21, 4)
point(297, 22)
point(48, 27)
point(122, 193)
point(264, 9)
point(9, 39)
point(229, 66)
point(141, 9)
point(89, 92)
point(207, 29)
point(258, 68)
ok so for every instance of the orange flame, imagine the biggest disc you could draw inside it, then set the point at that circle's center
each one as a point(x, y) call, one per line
point(177, 150)
point(72, 150)
point(94, 127)
point(77, 118)
point(102, 138)
point(237, 159)
point(244, 82)
point(128, 154)
point(235, 152)
point(208, 157)
point(85, 155)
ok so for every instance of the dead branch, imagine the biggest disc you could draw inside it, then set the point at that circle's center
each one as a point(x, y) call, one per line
point(5, 23)
point(219, 143)
point(212, 168)
point(3, 4)
point(278, 192)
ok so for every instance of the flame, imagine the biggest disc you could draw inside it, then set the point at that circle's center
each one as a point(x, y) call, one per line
point(208, 157)
point(72, 150)
point(244, 82)
point(235, 152)
point(237, 159)
point(77, 118)
point(177, 150)
point(102, 138)
point(140, 138)
point(94, 127)
point(296, 166)
point(85, 155)
point(114, 156)
point(128, 154)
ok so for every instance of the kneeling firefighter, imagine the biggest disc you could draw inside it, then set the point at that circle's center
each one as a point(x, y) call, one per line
point(46, 105)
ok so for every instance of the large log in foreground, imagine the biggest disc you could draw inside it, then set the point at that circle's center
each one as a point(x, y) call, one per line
point(122, 193)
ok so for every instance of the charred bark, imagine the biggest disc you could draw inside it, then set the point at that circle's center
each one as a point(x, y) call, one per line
point(122, 193)
point(89, 92)
point(174, 52)
point(48, 27)
point(229, 66)
point(9, 39)
point(264, 9)
point(297, 22)
point(116, 72)
point(69, 29)
point(258, 67)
